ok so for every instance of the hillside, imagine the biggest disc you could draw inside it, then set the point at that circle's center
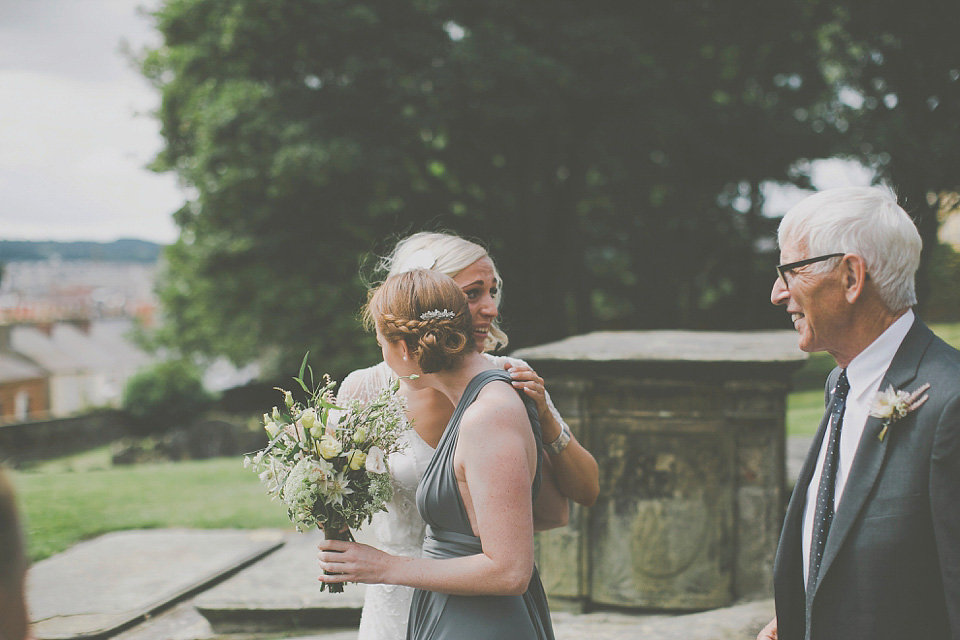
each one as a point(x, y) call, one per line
point(125, 250)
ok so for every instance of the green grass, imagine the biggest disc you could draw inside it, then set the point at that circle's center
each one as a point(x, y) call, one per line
point(62, 506)
point(804, 410)
point(805, 404)
point(949, 333)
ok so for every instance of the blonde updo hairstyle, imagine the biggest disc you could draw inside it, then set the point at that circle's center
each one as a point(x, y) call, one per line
point(449, 254)
point(416, 307)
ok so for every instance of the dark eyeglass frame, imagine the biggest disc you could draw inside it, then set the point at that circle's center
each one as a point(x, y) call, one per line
point(782, 269)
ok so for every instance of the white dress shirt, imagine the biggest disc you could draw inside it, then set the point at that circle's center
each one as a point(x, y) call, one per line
point(864, 374)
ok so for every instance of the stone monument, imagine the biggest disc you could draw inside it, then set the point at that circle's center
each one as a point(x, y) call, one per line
point(689, 431)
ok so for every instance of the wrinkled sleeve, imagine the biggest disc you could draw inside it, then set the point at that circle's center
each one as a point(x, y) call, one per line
point(945, 506)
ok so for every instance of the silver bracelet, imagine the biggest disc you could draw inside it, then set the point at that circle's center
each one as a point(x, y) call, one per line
point(558, 445)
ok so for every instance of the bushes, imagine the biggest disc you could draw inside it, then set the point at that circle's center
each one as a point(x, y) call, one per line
point(165, 396)
point(943, 303)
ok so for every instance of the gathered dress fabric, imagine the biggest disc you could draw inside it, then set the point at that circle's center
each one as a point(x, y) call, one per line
point(441, 616)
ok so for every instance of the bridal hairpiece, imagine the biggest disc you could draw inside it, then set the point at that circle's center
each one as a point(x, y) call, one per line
point(419, 259)
point(436, 313)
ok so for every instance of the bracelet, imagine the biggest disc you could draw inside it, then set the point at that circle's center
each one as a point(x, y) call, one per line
point(558, 445)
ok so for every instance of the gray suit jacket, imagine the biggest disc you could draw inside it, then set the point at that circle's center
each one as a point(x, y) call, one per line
point(891, 567)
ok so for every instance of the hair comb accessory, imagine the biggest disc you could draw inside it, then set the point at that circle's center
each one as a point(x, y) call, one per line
point(419, 259)
point(436, 313)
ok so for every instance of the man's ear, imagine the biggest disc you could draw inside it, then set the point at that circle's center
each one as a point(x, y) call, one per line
point(854, 274)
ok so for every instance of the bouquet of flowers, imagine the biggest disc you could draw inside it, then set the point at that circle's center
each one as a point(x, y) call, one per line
point(328, 464)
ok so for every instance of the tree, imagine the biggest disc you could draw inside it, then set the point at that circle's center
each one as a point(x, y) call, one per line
point(296, 123)
point(611, 158)
point(900, 65)
point(165, 396)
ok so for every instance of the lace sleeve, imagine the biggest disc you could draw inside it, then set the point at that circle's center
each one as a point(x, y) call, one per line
point(364, 384)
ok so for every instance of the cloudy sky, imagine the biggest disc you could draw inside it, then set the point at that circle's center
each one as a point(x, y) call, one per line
point(75, 129)
point(76, 134)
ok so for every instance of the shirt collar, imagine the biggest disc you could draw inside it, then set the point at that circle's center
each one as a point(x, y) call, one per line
point(866, 370)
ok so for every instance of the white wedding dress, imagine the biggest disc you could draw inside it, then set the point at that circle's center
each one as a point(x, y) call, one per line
point(400, 529)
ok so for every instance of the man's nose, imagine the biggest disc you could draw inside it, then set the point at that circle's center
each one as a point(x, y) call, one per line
point(779, 294)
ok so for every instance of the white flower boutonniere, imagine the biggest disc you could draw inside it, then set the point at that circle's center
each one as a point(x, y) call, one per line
point(893, 404)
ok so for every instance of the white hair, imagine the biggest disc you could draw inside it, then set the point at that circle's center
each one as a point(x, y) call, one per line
point(868, 222)
point(448, 254)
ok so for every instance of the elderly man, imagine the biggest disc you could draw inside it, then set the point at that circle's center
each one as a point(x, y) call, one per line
point(13, 566)
point(870, 546)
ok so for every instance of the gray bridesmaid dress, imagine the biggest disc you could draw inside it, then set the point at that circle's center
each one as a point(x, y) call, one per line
point(436, 616)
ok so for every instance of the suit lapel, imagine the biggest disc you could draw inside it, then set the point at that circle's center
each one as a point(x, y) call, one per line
point(871, 452)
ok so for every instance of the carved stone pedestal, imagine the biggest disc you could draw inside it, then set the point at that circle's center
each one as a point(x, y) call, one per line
point(689, 431)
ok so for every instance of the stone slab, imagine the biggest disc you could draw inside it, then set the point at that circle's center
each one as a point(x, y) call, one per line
point(737, 622)
point(672, 346)
point(101, 586)
point(281, 592)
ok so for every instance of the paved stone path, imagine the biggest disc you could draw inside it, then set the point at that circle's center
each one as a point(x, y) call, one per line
point(97, 587)
point(156, 585)
point(281, 592)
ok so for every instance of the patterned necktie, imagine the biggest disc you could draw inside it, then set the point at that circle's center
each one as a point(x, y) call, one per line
point(828, 482)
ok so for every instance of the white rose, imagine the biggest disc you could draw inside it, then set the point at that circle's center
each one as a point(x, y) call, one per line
point(308, 418)
point(272, 429)
point(375, 462)
point(330, 447)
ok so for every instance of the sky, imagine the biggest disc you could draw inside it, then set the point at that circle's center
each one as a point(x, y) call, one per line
point(76, 132)
point(75, 127)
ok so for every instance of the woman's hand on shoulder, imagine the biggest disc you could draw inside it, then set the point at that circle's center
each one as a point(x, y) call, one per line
point(526, 379)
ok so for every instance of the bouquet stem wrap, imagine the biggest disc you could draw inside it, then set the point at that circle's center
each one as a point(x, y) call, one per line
point(345, 534)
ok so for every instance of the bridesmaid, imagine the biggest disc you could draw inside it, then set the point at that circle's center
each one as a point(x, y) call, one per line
point(476, 496)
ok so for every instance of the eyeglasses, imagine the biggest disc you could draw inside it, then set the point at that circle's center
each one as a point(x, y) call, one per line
point(783, 269)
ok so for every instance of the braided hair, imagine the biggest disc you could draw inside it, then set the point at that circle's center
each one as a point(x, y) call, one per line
point(427, 310)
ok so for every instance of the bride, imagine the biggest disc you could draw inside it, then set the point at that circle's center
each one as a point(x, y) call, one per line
point(569, 468)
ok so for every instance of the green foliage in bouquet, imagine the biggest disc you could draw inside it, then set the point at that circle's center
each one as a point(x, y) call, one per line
point(328, 464)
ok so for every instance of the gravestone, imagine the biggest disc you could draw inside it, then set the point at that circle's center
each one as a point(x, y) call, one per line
point(689, 431)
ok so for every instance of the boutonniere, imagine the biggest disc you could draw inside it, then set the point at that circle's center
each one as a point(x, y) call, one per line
point(893, 404)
